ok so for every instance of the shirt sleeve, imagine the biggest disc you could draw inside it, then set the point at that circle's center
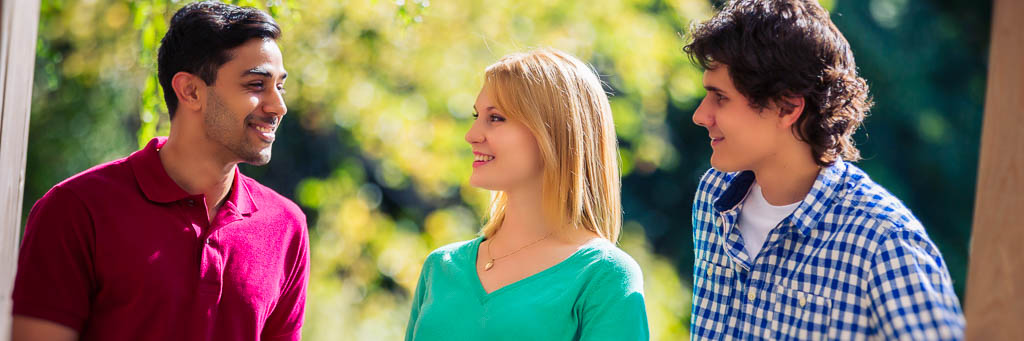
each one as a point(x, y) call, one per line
point(417, 302)
point(911, 291)
point(54, 280)
point(285, 323)
point(613, 306)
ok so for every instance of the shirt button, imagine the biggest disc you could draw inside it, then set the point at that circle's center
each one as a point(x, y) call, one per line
point(709, 271)
point(751, 296)
point(190, 202)
point(208, 241)
point(803, 300)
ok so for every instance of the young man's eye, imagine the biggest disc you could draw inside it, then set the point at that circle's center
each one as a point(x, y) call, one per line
point(256, 85)
point(719, 98)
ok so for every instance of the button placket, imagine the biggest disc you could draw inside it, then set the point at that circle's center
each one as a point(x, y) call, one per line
point(210, 269)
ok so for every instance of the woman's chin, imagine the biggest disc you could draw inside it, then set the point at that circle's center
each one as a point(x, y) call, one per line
point(484, 184)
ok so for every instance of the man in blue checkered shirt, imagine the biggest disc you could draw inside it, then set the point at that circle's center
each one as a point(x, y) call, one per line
point(791, 240)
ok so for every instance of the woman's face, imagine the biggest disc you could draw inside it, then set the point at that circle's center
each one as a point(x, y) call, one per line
point(507, 157)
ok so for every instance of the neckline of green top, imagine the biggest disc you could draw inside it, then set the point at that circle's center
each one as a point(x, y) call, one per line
point(485, 296)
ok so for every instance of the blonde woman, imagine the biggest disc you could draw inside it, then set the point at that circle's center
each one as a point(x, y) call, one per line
point(545, 266)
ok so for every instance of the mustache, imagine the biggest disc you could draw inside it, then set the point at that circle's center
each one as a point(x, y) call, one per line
point(272, 120)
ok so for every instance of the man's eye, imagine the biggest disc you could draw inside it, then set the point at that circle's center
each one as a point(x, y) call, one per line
point(256, 84)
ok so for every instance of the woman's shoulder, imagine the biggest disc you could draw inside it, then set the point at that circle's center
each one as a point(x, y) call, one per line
point(609, 261)
point(447, 253)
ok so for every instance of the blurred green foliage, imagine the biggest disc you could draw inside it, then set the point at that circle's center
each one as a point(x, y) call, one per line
point(381, 94)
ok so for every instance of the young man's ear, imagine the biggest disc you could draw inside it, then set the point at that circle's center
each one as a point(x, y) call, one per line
point(188, 89)
point(795, 109)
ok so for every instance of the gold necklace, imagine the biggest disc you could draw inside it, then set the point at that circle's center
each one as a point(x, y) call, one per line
point(490, 264)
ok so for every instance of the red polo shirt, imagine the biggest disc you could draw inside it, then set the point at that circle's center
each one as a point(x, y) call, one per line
point(120, 252)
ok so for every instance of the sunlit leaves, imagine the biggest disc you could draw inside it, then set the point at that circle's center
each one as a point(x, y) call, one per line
point(401, 77)
point(398, 79)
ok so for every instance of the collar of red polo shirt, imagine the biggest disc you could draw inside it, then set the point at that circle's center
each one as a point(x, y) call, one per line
point(159, 187)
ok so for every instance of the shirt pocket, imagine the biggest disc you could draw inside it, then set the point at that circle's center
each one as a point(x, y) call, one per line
point(798, 315)
point(712, 299)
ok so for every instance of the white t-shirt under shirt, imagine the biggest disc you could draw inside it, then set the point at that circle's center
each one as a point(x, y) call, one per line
point(758, 218)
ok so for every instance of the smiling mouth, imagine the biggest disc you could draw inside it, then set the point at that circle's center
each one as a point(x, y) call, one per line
point(265, 133)
point(715, 141)
point(481, 159)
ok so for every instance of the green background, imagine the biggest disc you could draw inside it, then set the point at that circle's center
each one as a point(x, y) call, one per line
point(380, 96)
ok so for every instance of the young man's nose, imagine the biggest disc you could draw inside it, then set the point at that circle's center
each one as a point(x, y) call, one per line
point(702, 116)
point(274, 104)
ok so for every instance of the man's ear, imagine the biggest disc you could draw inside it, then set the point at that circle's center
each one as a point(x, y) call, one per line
point(190, 90)
point(795, 109)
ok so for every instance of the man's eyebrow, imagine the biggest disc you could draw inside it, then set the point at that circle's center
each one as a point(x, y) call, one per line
point(261, 71)
point(713, 89)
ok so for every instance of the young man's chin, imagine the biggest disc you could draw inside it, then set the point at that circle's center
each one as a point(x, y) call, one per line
point(728, 168)
point(258, 162)
point(257, 157)
point(723, 166)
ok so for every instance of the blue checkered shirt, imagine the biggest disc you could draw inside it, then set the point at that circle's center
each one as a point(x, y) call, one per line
point(850, 263)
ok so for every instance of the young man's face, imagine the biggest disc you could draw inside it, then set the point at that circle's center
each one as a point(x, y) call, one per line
point(245, 104)
point(742, 138)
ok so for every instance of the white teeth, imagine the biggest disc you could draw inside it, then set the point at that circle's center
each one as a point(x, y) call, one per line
point(483, 157)
point(263, 129)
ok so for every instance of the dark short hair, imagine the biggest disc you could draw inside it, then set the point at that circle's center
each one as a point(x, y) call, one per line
point(776, 49)
point(199, 38)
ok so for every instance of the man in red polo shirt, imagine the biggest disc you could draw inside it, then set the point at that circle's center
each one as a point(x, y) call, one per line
point(172, 242)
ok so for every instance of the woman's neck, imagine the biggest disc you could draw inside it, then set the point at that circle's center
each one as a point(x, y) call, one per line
point(524, 220)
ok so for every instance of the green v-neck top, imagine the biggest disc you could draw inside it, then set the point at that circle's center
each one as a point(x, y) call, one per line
point(594, 294)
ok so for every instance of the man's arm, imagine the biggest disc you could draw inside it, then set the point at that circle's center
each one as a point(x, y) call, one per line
point(285, 322)
point(910, 290)
point(51, 298)
point(25, 328)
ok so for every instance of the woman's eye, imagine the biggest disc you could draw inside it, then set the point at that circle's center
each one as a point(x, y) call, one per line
point(496, 118)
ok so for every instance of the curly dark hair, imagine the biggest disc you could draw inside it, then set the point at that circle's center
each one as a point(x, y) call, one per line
point(778, 49)
point(199, 39)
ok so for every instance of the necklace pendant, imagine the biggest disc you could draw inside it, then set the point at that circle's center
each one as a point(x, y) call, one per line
point(489, 265)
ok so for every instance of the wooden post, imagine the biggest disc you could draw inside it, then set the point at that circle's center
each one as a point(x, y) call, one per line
point(19, 20)
point(995, 279)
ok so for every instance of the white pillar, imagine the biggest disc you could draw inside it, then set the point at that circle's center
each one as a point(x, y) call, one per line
point(19, 20)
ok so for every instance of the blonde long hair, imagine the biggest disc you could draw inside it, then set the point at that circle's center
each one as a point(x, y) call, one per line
point(561, 101)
